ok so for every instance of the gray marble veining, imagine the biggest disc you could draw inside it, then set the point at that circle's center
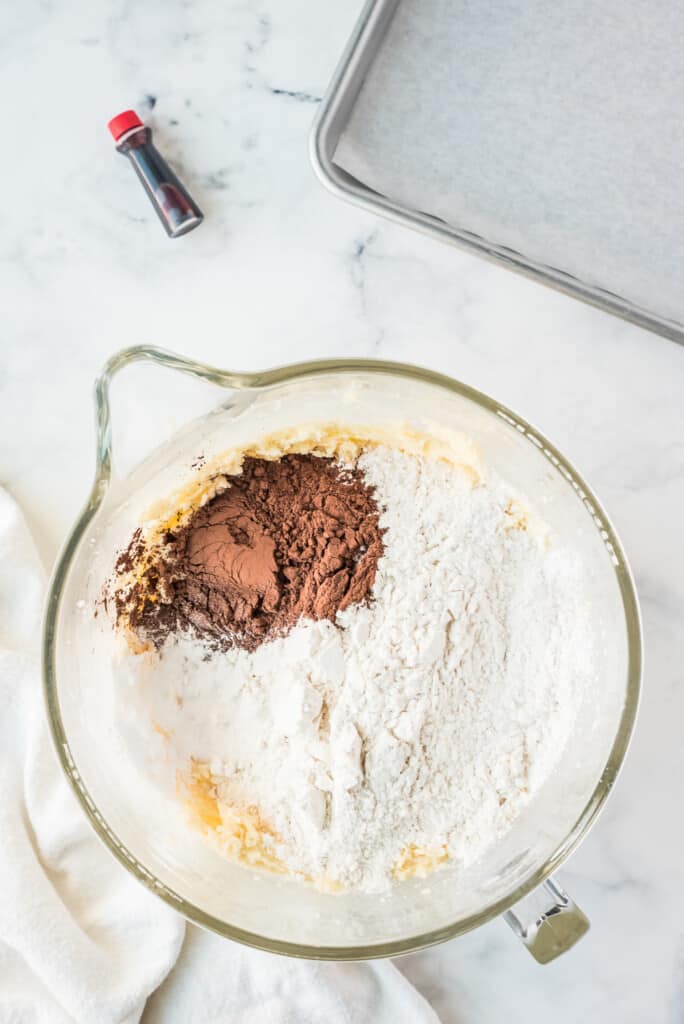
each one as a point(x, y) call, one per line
point(279, 271)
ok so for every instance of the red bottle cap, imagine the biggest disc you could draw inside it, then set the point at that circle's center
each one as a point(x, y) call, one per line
point(123, 123)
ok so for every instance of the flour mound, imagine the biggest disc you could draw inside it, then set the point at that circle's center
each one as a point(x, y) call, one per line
point(413, 729)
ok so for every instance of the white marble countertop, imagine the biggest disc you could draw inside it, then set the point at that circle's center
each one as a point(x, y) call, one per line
point(282, 271)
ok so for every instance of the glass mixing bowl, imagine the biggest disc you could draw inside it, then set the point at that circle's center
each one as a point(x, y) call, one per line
point(147, 832)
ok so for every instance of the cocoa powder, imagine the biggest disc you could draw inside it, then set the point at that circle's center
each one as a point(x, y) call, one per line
point(288, 539)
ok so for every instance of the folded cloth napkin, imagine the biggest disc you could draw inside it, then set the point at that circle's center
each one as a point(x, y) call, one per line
point(80, 940)
point(218, 982)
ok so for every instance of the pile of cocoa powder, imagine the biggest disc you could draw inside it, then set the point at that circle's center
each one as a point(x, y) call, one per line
point(288, 539)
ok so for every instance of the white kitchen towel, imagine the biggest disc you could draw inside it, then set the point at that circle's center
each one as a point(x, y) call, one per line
point(80, 941)
point(218, 982)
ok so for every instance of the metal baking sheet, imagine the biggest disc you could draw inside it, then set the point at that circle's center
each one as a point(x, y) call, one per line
point(597, 88)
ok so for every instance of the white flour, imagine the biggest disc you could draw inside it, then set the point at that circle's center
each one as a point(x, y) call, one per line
point(428, 719)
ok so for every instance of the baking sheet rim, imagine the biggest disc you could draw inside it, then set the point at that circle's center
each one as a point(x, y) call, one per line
point(347, 79)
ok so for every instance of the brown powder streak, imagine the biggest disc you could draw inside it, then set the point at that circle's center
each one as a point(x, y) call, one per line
point(288, 539)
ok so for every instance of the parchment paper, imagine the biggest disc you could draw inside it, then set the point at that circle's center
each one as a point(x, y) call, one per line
point(553, 128)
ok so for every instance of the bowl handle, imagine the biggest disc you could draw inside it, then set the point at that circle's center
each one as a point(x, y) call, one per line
point(547, 921)
point(160, 357)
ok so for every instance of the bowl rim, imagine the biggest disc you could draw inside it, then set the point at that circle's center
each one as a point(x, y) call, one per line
point(254, 382)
